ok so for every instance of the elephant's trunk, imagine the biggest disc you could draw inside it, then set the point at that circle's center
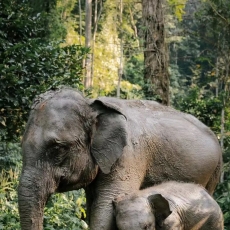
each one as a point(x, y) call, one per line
point(35, 187)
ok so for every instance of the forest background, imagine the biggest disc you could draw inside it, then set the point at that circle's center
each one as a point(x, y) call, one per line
point(43, 44)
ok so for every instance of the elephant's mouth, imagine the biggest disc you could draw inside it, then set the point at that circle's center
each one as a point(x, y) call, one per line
point(61, 189)
point(65, 186)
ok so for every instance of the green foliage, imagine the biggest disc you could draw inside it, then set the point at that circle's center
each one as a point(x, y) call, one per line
point(178, 7)
point(206, 108)
point(133, 70)
point(30, 65)
point(42, 5)
point(222, 194)
point(10, 156)
point(64, 211)
point(132, 79)
point(10, 165)
point(9, 217)
point(60, 19)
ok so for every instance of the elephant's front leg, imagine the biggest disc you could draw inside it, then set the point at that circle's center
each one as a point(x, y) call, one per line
point(100, 201)
point(101, 216)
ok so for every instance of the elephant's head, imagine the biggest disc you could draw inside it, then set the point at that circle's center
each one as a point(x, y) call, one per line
point(66, 141)
point(138, 213)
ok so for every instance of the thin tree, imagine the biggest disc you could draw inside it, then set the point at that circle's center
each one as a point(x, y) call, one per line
point(120, 69)
point(80, 21)
point(156, 76)
point(88, 38)
point(97, 15)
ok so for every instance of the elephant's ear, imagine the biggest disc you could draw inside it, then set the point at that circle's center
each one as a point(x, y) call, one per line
point(109, 136)
point(160, 207)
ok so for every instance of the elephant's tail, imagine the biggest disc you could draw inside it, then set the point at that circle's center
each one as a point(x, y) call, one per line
point(215, 178)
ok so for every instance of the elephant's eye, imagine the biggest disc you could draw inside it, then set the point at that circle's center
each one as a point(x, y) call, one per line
point(57, 148)
point(59, 155)
point(60, 147)
point(58, 152)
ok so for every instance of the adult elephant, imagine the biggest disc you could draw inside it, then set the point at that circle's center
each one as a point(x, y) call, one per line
point(108, 146)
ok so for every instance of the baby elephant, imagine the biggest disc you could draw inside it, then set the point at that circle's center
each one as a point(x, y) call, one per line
point(168, 206)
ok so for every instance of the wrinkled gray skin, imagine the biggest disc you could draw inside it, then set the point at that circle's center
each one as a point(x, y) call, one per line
point(108, 146)
point(168, 206)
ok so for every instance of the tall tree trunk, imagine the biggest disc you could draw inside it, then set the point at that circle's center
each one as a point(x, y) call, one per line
point(156, 74)
point(88, 38)
point(222, 121)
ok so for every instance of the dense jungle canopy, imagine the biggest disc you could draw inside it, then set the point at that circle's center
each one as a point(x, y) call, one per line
point(104, 48)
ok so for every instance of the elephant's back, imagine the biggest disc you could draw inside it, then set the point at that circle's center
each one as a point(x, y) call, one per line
point(151, 112)
point(159, 120)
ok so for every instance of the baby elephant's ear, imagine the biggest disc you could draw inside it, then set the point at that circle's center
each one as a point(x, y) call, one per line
point(160, 207)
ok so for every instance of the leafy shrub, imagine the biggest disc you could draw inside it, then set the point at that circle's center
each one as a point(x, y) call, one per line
point(206, 108)
point(222, 196)
point(9, 217)
point(10, 156)
point(30, 64)
point(222, 193)
point(64, 211)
